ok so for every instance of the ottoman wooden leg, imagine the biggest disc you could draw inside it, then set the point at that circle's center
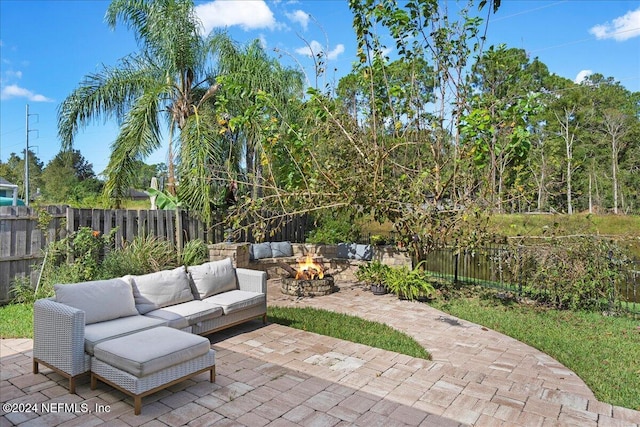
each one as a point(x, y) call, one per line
point(35, 367)
point(137, 405)
point(212, 374)
point(94, 382)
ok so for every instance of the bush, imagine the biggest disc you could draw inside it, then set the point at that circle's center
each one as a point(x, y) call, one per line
point(410, 283)
point(195, 252)
point(579, 273)
point(335, 227)
point(145, 254)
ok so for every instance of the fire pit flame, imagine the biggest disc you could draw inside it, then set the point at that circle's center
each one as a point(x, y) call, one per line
point(308, 269)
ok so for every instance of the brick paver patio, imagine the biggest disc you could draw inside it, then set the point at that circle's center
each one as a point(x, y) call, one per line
point(278, 376)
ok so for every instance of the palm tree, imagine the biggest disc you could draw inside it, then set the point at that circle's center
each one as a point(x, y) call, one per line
point(171, 83)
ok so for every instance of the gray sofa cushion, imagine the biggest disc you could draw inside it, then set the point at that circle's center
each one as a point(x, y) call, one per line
point(161, 289)
point(186, 314)
point(281, 249)
point(213, 277)
point(100, 300)
point(152, 350)
point(237, 300)
point(102, 331)
point(260, 250)
point(355, 251)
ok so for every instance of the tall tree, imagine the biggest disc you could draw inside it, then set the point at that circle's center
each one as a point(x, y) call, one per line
point(69, 178)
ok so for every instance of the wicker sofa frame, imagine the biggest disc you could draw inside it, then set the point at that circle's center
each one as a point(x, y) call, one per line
point(59, 329)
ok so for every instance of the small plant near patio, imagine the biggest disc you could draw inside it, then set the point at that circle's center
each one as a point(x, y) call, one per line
point(410, 284)
point(373, 274)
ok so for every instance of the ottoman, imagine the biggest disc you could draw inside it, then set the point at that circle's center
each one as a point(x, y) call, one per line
point(144, 362)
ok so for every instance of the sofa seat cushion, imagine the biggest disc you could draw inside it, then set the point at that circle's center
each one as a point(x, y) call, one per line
point(150, 351)
point(102, 331)
point(100, 299)
point(180, 316)
point(213, 277)
point(160, 289)
point(233, 301)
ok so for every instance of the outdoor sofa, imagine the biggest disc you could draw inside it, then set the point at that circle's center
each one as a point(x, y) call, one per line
point(141, 333)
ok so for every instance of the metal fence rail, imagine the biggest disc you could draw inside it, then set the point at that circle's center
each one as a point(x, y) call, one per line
point(492, 266)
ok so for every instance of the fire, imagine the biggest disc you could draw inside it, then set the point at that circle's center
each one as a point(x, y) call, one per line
point(308, 269)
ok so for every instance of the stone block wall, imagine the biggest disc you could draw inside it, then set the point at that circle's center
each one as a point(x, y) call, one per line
point(339, 268)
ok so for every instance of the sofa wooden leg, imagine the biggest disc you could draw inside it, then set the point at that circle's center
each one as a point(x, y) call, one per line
point(264, 319)
point(72, 385)
point(35, 367)
point(94, 382)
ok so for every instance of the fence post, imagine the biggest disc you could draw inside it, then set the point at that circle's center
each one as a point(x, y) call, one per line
point(455, 267)
point(178, 230)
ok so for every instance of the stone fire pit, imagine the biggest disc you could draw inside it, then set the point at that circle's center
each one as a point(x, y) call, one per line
point(307, 287)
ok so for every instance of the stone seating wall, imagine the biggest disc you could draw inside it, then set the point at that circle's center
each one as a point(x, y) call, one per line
point(339, 268)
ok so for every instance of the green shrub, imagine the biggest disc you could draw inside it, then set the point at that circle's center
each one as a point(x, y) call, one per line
point(145, 254)
point(410, 283)
point(372, 273)
point(195, 252)
point(579, 273)
point(335, 227)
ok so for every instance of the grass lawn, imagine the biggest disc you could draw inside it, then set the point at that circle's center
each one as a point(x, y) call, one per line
point(348, 328)
point(603, 351)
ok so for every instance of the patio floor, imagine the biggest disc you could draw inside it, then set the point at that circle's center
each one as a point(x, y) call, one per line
point(278, 376)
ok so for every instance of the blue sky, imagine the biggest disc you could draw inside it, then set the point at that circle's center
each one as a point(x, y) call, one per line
point(48, 46)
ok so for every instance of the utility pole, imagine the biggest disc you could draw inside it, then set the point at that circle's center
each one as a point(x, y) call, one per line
point(26, 158)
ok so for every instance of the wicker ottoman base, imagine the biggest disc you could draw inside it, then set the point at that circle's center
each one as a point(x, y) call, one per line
point(141, 386)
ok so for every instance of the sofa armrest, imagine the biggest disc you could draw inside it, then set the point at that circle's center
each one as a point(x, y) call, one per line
point(58, 336)
point(252, 280)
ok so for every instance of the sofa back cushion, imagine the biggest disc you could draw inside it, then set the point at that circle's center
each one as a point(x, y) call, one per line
point(100, 300)
point(213, 277)
point(160, 289)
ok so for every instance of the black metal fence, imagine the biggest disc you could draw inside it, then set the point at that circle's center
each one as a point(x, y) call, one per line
point(493, 266)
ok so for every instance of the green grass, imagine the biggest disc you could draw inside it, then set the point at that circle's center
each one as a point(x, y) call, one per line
point(16, 321)
point(348, 328)
point(603, 351)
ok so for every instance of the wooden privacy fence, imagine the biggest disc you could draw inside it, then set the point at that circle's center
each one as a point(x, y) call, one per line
point(26, 231)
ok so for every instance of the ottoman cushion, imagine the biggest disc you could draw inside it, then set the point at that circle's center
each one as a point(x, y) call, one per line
point(116, 328)
point(153, 350)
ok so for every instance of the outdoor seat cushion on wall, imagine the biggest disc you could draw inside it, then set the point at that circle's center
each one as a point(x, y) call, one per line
point(270, 250)
point(355, 251)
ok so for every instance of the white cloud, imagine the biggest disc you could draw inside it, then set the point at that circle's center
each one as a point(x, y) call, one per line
point(247, 14)
point(582, 76)
point(15, 91)
point(620, 29)
point(315, 48)
point(299, 17)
